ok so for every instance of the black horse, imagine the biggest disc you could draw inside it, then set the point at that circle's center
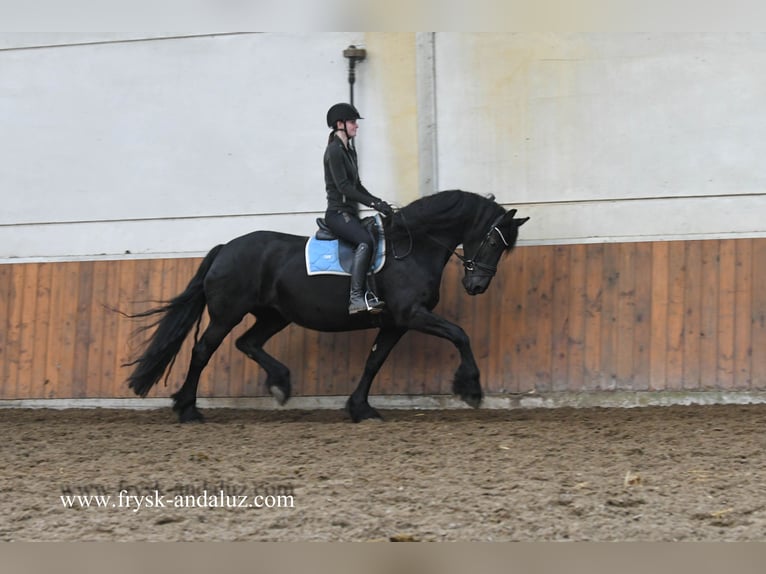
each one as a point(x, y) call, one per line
point(264, 273)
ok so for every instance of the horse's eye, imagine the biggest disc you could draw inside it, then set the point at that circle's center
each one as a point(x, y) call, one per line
point(492, 243)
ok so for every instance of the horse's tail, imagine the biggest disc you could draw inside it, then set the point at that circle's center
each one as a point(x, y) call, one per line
point(177, 317)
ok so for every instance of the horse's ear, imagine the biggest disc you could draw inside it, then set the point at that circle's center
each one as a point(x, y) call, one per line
point(511, 213)
point(520, 222)
point(490, 196)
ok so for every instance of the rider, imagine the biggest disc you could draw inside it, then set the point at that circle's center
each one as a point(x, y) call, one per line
point(344, 193)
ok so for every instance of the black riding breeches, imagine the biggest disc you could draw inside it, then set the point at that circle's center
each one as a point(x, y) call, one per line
point(348, 227)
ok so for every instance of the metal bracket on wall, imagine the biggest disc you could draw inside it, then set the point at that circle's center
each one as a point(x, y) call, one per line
point(354, 55)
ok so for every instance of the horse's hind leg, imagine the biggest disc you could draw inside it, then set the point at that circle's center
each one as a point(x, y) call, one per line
point(185, 400)
point(251, 344)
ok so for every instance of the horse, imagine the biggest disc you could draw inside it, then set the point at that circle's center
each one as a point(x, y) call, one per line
point(263, 273)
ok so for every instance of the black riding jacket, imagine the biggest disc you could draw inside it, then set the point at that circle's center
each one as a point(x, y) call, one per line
point(341, 177)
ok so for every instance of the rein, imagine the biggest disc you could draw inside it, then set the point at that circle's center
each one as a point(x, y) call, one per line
point(469, 263)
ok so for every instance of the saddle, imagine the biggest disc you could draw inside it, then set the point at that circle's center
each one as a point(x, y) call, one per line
point(326, 254)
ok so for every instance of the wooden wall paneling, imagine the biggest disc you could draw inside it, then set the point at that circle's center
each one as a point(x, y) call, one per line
point(576, 317)
point(52, 333)
point(28, 328)
point(306, 381)
point(512, 337)
point(403, 366)
point(493, 379)
point(542, 286)
point(112, 378)
point(758, 360)
point(560, 306)
point(743, 316)
point(692, 315)
point(336, 356)
point(498, 313)
point(726, 312)
point(709, 311)
point(5, 325)
point(359, 344)
point(341, 367)
point(523, 364)
point(38, 384)
point(324, 364)
point(610, 343)
point(13, 328)
point(83, 295)
point(67, 332)
point(642, 329)
point(676, 311)
point(594, 296)
point(653, 315)
point(625, 324)
point(658, 348)
point(95, 338)
point(419, 380)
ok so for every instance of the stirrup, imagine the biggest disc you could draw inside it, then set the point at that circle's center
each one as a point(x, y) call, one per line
point(374, 305)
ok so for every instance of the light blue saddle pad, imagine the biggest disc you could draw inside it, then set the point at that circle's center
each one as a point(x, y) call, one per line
point(333, 257)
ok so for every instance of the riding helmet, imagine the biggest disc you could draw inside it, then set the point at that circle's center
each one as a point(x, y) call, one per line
point(341, 113)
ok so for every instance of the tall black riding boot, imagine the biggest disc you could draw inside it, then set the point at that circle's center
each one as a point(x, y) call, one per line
point(358, 300)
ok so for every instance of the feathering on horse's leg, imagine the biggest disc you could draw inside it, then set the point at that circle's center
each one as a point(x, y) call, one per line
point(466, 382)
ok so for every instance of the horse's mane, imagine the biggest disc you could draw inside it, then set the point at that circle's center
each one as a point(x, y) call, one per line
point(441, 208)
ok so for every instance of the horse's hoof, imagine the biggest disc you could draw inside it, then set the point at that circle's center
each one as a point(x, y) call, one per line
point(190, 415)
point(365, 412)
point(279, 394)
point(473, 401)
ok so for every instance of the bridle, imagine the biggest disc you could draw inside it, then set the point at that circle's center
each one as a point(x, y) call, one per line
point(471, 264)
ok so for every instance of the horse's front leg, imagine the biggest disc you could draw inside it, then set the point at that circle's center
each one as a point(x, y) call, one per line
point(466, 384)
point(357, 405)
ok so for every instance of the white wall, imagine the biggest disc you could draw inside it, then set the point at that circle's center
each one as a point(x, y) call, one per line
point(569, 126)
point(167, 145)
point(114, 143)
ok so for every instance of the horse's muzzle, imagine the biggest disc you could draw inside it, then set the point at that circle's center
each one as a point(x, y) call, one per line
point(476, 285)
